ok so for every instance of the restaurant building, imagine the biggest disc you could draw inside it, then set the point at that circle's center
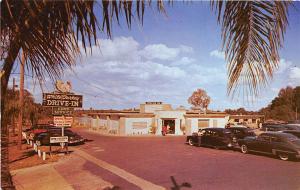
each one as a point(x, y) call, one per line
point(149, 119)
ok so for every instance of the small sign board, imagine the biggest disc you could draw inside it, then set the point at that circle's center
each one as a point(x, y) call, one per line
point(61, 121)
point(62, 100)
point(63, 139)
point(62, 111)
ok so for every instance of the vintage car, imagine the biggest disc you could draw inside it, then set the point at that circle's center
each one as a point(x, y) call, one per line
point(292, 127)
point(44, 137)
point(283, 145)
point(213, 137)
point(241, 132)
point(273, 127)
point(293, 132)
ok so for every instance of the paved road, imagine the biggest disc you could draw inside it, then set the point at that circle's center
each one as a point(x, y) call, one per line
point(155, 159)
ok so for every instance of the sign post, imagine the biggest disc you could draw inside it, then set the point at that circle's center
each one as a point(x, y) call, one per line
point(63, 103)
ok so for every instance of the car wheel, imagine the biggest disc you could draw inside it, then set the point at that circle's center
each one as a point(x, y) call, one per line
point(244, 149)
point(191, 142)
point(216, 147)
point(283, 156)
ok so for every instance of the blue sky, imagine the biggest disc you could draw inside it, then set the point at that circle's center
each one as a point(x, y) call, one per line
point(168, 58)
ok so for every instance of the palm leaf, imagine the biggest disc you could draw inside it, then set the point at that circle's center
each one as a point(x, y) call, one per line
point(252, 33)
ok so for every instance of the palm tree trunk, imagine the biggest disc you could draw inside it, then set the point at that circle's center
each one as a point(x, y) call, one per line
point(6, 180)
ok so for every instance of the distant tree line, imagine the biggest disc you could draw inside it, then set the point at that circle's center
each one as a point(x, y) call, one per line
point(285, 107)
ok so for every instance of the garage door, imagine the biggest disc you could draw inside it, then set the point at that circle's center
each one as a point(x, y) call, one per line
point(202, 123)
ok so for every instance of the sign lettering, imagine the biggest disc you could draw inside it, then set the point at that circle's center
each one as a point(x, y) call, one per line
point(62, 139)
point(62, 100)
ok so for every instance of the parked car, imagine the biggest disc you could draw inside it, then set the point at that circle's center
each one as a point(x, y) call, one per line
point(283, 145)
point(273, 127)
point(241, 132)
point(44, 137)
point(213, 137)
point(293, 132)
point(292, 127)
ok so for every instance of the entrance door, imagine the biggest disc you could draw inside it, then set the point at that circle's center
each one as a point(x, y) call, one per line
point(170, 124)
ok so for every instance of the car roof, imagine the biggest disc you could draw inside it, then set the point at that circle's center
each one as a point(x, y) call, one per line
point(291, 131)
point(278, 134)
point(240, 127)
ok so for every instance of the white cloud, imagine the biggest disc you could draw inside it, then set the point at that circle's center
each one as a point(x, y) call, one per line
point(162, 52)
point(217, 54)
point(294, 76)
point(159, 51)
point(283, 66)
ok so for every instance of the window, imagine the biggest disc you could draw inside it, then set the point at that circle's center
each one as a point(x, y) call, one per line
point(203, 123)
point(253, 120)
point(139, 125)
point(236, 120)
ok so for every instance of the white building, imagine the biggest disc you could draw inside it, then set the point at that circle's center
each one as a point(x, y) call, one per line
point(150, 119)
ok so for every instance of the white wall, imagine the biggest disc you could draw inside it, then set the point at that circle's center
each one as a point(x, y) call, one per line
point(129, 130)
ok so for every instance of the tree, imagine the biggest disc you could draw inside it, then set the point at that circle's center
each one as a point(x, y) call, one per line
point(200, 99)
point(283, 107)
point(48, 33)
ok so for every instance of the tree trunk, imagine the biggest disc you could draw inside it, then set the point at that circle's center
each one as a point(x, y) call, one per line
point(6, 180)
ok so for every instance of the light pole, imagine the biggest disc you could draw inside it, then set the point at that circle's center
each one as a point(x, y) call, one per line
point(21, 101)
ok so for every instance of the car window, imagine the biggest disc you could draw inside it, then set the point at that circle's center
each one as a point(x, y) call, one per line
point(263, 138)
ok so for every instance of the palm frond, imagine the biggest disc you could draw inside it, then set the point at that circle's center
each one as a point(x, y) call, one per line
point(49, 31)
point(252, 33)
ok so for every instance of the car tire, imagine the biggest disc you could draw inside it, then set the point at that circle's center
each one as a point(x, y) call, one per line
point(244, 149)
point(283, 156)
point(190, 141)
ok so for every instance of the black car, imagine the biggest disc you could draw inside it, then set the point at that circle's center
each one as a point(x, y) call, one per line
point(213, 137)
point(283, 145)
point(241, 132)
point(293, 132)
point(273, 127)
point(292, 127)
point(44, 137)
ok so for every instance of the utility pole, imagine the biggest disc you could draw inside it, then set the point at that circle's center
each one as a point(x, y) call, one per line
point(13, 115)
point(296, 114)
point(21, 101)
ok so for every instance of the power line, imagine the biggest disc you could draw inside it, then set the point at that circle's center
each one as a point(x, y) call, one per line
point(102, 89)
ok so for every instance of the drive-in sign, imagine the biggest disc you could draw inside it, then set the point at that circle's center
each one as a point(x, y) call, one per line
point(61, 121)
point(62, 100)
point(63, 139)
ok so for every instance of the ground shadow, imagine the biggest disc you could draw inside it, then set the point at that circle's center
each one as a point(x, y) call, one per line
point(88, 140)
point(179, 186)
point(25, 155)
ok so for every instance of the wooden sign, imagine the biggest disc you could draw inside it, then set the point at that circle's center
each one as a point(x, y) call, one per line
point(62, 100)
point(61, 121)
point(66, 111)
